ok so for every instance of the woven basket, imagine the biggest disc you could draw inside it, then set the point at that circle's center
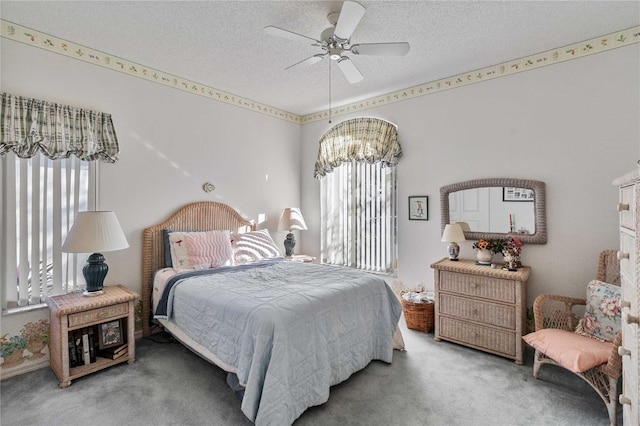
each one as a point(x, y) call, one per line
point(419, 316)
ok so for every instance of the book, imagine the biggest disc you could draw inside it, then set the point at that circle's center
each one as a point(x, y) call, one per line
point(73, 362)
point(114, 353)
point(92, 343)
point(85, 348)
point(77, 336)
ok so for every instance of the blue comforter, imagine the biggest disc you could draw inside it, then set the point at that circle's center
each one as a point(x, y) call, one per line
point(290, 329)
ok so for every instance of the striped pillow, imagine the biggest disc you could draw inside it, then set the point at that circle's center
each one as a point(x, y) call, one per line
point(200, 250)
point(253, 246)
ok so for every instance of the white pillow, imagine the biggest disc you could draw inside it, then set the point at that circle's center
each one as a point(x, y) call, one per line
point(200, 250)
point(253, 246)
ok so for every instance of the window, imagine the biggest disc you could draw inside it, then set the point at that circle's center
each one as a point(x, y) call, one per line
point(357, 166)
point(48, 153)
point(40, 200)
point(359, 217)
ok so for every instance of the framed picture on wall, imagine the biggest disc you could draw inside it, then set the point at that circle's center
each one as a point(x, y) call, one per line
point(419, 207)
point(110, 334)
point(516, 194)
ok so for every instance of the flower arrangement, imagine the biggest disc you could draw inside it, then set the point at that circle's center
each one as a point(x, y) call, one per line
point(36, 331)
point(494, 246)
point(12, 344)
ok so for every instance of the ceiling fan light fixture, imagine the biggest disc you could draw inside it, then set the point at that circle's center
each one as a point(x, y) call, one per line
point(336, 40)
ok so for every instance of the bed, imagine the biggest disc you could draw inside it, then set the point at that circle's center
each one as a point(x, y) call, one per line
point(285, 331)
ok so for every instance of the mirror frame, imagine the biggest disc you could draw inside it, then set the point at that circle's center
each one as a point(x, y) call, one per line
point(539, 207)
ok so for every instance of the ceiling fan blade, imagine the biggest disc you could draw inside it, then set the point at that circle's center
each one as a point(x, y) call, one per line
point(350, 16)
point(279, 32)
point(349, 70)
point(381, 49)
point(309, 61)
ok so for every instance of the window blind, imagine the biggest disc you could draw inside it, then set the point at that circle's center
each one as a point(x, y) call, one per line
point(41, 197)
point(359, 217)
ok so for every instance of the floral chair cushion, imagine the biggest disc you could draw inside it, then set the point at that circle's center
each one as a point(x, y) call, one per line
point(602, 316)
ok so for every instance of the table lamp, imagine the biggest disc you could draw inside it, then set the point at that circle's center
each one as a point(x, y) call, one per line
point(95, 232)
point(453, 234)
point(291, 219)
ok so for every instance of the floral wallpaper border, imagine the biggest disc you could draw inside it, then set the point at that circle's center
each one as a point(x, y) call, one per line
point(554, 56)
point(36, 38)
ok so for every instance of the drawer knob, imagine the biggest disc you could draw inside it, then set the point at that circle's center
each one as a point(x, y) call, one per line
point(474, 311)
point(623, 351)
point(625, 304)
point(624, 400)
point(623, 207)
point(632, 319)
point(474, 285)
point(621, 255)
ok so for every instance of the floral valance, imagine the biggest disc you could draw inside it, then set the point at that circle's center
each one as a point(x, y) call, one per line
point(362, 139)
point(28, 125)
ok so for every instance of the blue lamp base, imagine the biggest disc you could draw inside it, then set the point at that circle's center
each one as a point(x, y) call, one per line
point(289, 244)
point(94, 273)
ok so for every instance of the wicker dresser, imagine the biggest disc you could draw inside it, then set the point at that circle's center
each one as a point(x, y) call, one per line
point(481, 307)
point(629, 274)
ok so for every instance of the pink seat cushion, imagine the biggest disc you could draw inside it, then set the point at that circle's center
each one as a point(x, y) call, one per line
point(572, 351)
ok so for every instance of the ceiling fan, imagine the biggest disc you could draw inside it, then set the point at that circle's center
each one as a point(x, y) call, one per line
point(335, 41)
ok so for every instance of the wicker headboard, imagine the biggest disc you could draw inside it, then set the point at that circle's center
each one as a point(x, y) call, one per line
point(200, 216)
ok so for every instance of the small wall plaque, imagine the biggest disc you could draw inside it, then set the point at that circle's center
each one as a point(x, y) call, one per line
point(208, 187)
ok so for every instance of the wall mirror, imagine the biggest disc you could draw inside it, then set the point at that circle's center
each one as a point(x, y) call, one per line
point(495, 208)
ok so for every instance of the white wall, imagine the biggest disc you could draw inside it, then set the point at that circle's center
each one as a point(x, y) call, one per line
point(171, 143)
point(577, 122)
point(573, 125)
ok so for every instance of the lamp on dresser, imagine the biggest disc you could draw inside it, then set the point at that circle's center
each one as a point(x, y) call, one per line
point(453, 234)
point(95, 232)
point(291, 219)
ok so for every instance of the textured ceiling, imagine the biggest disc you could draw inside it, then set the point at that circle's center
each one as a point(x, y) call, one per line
point(222, 43)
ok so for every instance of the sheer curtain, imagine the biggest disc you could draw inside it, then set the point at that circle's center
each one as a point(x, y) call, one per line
point(48, 153)
point(357, 168)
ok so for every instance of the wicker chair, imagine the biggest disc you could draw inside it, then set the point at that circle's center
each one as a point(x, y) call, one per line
point(609, 267)
point(555, 311)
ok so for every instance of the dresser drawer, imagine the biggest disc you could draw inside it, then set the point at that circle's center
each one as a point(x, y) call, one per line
point(627, 216)
point(476, 310)
point(629, 295)
point(630, 413)
point(88, 317)
point(476, 335)
point(478, 286)
point(628, 255)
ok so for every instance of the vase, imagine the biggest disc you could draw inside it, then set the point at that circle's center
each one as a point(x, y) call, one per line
point(36, 347)
point(484, 256)
point(13, 359)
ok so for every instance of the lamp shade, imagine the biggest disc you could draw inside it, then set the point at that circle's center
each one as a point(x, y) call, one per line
point(291, 219)
point(452, 233)
point(95, 231)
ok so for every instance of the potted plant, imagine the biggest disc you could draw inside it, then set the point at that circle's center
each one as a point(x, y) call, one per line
point(37, 335)
point(11, 350)
point(486, 250)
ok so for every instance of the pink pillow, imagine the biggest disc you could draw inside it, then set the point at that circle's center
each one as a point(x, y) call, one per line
point(572, 351)
point(200, 250)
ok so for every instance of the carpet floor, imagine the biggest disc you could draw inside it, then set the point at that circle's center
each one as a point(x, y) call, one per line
point(431, 383)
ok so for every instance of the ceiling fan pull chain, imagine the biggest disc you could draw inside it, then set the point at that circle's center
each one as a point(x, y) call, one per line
point(330, 92)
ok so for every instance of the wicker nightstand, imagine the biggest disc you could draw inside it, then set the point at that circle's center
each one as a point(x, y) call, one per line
point(74, 311)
